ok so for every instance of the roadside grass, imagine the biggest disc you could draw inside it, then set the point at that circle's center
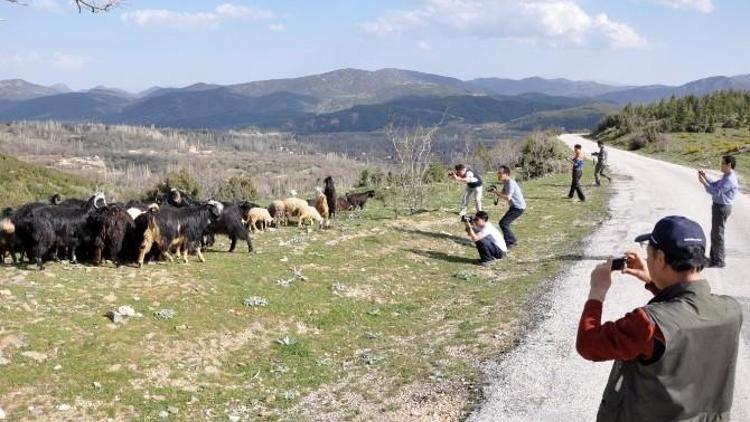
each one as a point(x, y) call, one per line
point(373, 318)
point(701, 150)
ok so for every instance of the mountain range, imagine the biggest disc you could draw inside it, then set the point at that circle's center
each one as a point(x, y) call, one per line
point(347, 100)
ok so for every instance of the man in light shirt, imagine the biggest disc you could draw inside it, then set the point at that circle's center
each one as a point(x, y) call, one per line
point(510, 192)
point(723, 192)
point(487, 238)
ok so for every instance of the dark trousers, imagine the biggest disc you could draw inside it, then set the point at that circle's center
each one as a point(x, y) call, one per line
point(575, 185)
point(488, 250)
point(719, 216)
point(599, 171)
point(510, 216)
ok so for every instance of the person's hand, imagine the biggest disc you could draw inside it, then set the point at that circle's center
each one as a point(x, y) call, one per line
point(637, 267)
point(601, 281)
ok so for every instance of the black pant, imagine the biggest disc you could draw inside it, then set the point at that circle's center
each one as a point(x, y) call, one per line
point(488, 250)
point(719, 216)
point(599, 171)
point(575, 185)
point(510, 216)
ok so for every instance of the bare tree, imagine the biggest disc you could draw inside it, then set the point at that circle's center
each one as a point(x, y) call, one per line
point(413, 155)
point(85, 5)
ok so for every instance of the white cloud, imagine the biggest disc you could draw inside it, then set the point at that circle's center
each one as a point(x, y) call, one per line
point(277, 27)
point(556, 22)
point(211, 19)
point(68, 62)
point(705, 6)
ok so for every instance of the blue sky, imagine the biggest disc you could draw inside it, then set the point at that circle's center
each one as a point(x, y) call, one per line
point(179, 42)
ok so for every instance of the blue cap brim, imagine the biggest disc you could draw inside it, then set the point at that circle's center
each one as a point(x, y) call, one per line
point(643, 238)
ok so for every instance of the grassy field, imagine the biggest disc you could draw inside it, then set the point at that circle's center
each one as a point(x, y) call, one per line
point(373, 319)
point(701, 150)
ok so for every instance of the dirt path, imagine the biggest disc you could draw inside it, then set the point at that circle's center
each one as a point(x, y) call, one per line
point(544, 379)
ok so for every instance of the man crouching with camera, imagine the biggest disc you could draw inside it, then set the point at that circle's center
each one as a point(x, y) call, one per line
point(674, 357)
point(486, 237)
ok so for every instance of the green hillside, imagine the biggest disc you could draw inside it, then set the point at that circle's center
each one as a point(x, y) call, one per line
point(584, 117)
point(24, 182)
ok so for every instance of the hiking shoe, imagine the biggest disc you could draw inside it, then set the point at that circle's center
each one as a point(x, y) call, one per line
point(717, 265)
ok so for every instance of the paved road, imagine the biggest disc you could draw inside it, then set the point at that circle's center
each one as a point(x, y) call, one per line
point(544, 379)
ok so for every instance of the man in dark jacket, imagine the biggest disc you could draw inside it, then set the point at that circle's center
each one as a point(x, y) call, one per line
point(675, 357)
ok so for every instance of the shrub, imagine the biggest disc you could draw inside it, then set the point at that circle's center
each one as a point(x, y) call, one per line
point(543, 154)
point(371, 178)
point(181, 179)
point(436, 173)
point(237, 188)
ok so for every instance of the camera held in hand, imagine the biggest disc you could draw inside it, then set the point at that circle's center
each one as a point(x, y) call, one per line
point(619, 264)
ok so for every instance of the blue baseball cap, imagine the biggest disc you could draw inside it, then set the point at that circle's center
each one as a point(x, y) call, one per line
point(676, 236)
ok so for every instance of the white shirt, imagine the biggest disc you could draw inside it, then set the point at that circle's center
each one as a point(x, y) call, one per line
point(495, 235)
point(470, 178)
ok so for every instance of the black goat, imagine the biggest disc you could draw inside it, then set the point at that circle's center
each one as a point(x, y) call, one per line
point(45, 229)
point(358, 200)
point(231, 224)
point(330, 193)
point(110, 226)
point(178, 229)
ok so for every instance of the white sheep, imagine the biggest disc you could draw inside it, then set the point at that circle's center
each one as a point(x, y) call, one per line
point(310, 213)
point(278, 213)
point(293, 206)
point(258, 215)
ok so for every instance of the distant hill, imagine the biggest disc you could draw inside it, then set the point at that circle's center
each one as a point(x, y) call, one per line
point(653, 93)
point(348, 98)
point(586, 116)
point(556, 87)
point(20, 90)
point(345, 88)
point(73, 106)
point(469, 109)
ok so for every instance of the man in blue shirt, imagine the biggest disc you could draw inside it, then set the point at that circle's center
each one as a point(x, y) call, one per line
point(723, 192)
point(512, 193)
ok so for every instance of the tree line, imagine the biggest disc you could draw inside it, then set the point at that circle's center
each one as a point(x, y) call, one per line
point(697, 114)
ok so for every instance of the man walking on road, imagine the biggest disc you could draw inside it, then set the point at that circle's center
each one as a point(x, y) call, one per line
point(575, 184)
point(601, 163)
point(512, 193)
point(723, 192)
point(675, 357)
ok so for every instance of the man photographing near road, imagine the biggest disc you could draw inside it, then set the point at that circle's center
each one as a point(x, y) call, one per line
point(511, 192)
point(473, 188)
point(675, 357)
point(486, 237)
point(723, 192)
point(601, 163)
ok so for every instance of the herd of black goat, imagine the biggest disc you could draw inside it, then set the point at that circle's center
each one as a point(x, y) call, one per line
point(92, 230)
point(135, 232)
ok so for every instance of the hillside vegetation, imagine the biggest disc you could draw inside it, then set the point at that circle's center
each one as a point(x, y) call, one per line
point(23, 182)
point(690, 130)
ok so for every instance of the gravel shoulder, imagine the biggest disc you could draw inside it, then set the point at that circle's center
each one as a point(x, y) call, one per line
point(544, 378)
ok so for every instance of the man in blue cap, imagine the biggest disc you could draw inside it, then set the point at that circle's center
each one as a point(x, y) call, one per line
point(674, 357)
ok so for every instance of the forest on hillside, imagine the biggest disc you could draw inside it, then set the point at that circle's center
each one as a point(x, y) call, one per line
point(723, 109)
